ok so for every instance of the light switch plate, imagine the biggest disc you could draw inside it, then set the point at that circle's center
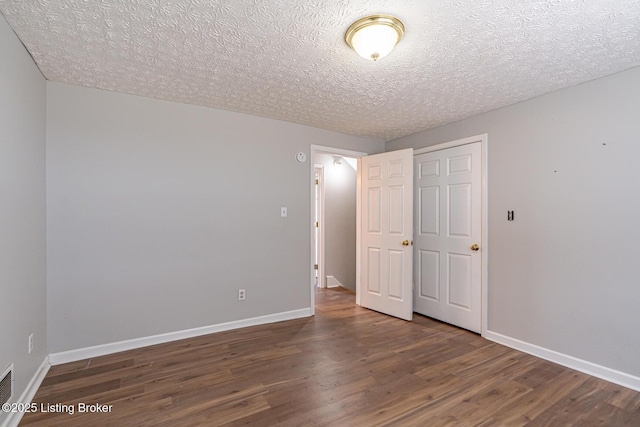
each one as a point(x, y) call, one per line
point(283, 212)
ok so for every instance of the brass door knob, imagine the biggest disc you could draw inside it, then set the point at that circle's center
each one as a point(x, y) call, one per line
point(475, 247)
point(405, 243)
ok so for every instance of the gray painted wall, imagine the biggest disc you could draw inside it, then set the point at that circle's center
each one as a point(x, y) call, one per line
point(564, 274)
point(340, 220)
point(22, 211)
point(158, 212)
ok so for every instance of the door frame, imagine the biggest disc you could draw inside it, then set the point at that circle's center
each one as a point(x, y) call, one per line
point(320, 217)
point(314, 150)
point(483, 139)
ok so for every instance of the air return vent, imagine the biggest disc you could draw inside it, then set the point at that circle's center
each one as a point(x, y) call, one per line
point(6, 385)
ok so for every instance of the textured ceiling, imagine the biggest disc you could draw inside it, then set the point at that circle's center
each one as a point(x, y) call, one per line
point(287, 59)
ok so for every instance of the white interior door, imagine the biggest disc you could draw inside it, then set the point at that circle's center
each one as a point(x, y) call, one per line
point(386, 252)
point(448, 218)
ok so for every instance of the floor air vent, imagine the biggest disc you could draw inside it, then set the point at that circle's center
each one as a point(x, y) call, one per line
point(6, 385)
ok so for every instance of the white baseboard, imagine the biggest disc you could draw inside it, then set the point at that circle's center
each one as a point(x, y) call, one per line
point(13, 419)
point(332, 282)
point(104, 349)
point(602, 372)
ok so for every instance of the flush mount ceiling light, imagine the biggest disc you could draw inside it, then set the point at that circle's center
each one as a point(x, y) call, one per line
point(375, 36)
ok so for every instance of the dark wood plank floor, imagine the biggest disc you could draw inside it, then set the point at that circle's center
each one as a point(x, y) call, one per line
point(347, 366)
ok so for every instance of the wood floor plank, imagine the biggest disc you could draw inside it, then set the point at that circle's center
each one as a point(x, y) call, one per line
point(524, 409)
point(346, 366)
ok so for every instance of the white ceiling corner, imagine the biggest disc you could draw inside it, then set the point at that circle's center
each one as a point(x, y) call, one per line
point(288, 60)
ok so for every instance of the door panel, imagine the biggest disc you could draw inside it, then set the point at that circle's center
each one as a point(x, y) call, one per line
point(429, 168)
point(396, 216)
point(459, 210)
point(374, 209)
point(459, 286)
point(429, 201)
point(373, 285)
point(396, 272)
point(429, 275)
point(448, 222)
point(459, 164)
point(386, 264)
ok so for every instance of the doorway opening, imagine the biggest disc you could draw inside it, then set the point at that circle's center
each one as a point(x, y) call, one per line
point(334, 223)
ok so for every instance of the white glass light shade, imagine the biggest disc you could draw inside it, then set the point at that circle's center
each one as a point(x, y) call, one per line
point(374, 37)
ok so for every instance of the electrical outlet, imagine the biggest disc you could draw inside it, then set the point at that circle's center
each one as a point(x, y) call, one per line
point(30, 343)
point(241, 294)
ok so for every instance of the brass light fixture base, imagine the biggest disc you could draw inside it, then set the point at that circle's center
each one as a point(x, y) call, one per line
point(368, 21)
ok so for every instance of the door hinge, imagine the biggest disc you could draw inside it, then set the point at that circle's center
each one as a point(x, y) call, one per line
point(316, 224)
point(316, 182)
point(315, 266)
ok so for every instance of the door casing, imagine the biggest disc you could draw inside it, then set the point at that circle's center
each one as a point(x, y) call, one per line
point(319, 209)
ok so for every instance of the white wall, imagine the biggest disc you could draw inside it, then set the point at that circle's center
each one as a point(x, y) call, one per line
point(158, 212)
point(340, 219)
point(22, 211)
point(564, 275)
